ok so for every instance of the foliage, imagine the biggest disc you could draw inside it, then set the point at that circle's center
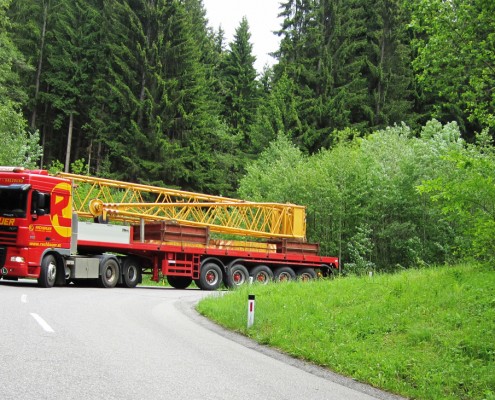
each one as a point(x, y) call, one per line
point(148, 92)
point(350, 66)
point(239, 94)
point(455, 62)
point(361, 195)
point(11, 61)
point(55, 167)
point(277, 113)
point(239, 77)
point(126, 85)
point(281, 159)
point(360, 249)
point(19, 147)
point(466, 195)
point(425, 334)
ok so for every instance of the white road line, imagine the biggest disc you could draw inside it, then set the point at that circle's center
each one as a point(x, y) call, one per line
point(42, 322)
point(24, 298)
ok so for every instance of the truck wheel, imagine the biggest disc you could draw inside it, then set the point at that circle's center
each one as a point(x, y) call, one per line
point(109, 273)
point(48, 272)
point(240, 274)
point(306, 274)
point(328, 271)
point(284, 274)
point(261, 274)
point(131, 273)
point(179, 282)
point(210, 277)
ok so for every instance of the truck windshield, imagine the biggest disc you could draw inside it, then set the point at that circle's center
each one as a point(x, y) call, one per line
point(13, 200)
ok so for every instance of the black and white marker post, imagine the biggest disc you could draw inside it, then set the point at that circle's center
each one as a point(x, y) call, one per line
point(250, 319)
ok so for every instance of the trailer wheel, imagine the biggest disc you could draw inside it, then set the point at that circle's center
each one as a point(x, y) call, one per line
point(131, 272)
point(327, 271)
point(306, 274)
point(179, 282)
point(239, 275)
point(48, 273)
point(284, 274)
point(210, 277)
point(261, 274)
point(109, 276)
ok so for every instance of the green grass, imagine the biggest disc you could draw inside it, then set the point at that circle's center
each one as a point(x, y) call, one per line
point(425, 334)
point(148, 282)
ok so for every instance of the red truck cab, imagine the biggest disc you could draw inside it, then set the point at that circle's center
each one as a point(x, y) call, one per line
point(35, 219)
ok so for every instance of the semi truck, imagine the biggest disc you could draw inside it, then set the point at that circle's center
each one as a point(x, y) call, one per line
point(65, 229)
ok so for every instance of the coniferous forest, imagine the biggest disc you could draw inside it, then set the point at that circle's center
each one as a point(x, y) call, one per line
point(378, 116)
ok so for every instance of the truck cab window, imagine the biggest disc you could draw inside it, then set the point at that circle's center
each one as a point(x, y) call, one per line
point(13, 202)
point(40, 204)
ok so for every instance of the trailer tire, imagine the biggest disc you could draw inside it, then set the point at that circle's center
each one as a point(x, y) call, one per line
point(239, 275)
point(109, 273)
point(284, 274)
point(210, 276)
point(179, 282)
point(48, 272)
point(261, 274)
point(131, 274)
point(306, 274)
point(328, 271)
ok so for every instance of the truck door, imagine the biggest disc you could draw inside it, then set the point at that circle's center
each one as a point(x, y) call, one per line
point(51, 217)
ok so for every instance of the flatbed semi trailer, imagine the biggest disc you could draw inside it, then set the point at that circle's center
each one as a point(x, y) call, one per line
point(46, 236)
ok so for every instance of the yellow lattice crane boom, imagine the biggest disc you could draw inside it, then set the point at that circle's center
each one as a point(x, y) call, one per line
point(123, 201)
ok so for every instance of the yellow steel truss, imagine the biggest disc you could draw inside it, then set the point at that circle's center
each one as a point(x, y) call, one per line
point(132, 202)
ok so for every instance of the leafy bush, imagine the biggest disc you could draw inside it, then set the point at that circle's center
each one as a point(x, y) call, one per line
point(390, 199)
point(19, 147)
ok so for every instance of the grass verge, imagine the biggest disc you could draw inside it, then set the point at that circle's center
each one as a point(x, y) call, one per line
point(424, 334)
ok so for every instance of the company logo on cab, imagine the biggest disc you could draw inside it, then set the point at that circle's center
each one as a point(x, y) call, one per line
point(61, 216)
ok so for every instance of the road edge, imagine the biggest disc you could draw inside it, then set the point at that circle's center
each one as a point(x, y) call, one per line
point(188, 307)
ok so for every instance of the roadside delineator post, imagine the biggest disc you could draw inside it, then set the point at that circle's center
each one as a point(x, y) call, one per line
point(250, 319)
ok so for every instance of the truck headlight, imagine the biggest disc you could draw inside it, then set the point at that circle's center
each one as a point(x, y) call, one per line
point(17, 259)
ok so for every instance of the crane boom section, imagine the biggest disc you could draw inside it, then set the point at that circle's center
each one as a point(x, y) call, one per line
point(134, 202)
point(111, 191)
point(265, 220)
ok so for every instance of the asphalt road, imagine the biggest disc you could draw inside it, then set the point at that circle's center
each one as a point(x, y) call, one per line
point(143, 343)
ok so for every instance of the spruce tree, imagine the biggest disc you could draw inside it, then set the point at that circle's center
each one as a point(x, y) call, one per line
point(321, 52)
point(33, 23)
point(388, 65)
point(19, 147)
point(241, 86)
point(71, 69)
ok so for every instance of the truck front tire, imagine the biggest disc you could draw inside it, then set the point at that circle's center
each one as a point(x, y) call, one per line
point(48, 272)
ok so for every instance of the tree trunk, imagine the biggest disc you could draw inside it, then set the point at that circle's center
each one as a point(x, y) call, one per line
point(69, 141)
point(98, 159)
point(40, 64)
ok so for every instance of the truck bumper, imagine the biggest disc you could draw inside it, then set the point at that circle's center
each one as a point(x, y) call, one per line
point(13, 264)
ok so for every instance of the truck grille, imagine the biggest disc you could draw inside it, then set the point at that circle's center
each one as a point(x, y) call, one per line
point(3, 254)
point(8, 235)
